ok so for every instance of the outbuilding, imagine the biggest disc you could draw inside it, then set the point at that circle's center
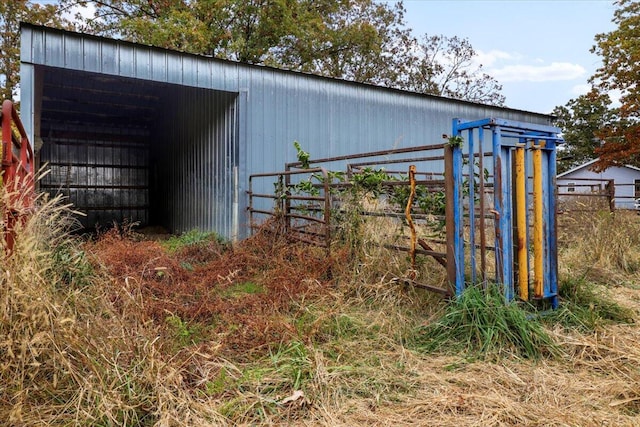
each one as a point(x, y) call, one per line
point(134, 132)
point(625, 180)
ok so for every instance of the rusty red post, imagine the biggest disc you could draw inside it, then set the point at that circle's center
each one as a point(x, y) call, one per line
point(17, 171)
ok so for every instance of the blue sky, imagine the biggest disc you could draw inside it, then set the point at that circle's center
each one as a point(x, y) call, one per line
point(538, 50)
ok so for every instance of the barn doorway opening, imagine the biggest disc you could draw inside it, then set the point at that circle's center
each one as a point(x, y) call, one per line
point(124, 149)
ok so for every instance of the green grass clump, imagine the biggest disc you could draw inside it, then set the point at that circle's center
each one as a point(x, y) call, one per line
point(191, 237)
point(585, 307)
point(480, 323)
point(240, 290)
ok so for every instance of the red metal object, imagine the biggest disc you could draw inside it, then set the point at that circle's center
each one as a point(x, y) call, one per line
point(17, 172)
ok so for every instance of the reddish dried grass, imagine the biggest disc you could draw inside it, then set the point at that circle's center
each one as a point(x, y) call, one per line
point(203, 284)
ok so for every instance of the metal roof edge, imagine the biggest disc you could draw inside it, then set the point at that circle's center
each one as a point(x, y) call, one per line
point(281, 70)
point(589, 163)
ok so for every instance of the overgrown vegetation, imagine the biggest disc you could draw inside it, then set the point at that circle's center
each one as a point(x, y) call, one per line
point(196, 331)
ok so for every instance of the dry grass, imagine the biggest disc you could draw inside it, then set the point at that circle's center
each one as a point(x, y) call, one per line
point(271, 333)
point(601, 246)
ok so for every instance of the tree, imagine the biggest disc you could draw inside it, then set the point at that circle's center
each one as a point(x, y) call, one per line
point(620, 51)
point(12, 12)
point(360, 40)
point(581, 120)
point(444, 66)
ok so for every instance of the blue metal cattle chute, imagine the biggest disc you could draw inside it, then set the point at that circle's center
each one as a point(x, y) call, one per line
point(503, 172)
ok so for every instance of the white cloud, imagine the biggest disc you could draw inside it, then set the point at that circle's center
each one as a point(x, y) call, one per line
point(537, 73)
point(487, 59)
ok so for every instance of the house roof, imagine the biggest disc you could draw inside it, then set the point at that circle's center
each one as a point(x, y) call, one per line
point(589, 163)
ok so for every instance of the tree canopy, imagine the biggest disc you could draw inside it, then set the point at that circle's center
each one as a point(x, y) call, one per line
point(620, 51)
point(592, 127)
point(360, 40)
point(581, 119)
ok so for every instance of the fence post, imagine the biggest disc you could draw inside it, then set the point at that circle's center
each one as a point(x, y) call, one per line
point(454, 216)
point(611, 192)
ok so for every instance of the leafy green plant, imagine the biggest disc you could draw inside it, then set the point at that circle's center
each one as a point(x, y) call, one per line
point(456, 141)
point(306, 187)
point(482, 324)
point(183, 332)
point(303, 156)
point(370, 180)
point(72, 264)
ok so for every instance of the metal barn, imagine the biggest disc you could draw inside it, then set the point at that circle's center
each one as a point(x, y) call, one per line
point(167, 138)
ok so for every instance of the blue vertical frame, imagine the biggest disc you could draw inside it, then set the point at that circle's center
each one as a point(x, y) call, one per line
point(458, 209)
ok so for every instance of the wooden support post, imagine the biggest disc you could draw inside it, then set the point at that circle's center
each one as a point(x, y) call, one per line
point(611, 192)
point(449, 217)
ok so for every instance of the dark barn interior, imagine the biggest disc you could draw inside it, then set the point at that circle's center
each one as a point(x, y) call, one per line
point(118, 147)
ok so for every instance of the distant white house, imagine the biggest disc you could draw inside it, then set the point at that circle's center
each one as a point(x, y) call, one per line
point(581, 179)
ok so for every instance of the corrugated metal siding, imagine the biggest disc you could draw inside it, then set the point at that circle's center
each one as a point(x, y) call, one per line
point(328, 117)
point(195, 156)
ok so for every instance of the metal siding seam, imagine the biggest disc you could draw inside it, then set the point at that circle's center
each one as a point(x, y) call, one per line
point(73, 52)
point(26, 39)
point(203, 137)
point(224, 211)
point(53, 50)
point(206, 177)
point(228, 199)
point(91, 55)
point(108, 58)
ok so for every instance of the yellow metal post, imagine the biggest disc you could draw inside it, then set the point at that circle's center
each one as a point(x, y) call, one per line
point(521, 224)
point(538, 244)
